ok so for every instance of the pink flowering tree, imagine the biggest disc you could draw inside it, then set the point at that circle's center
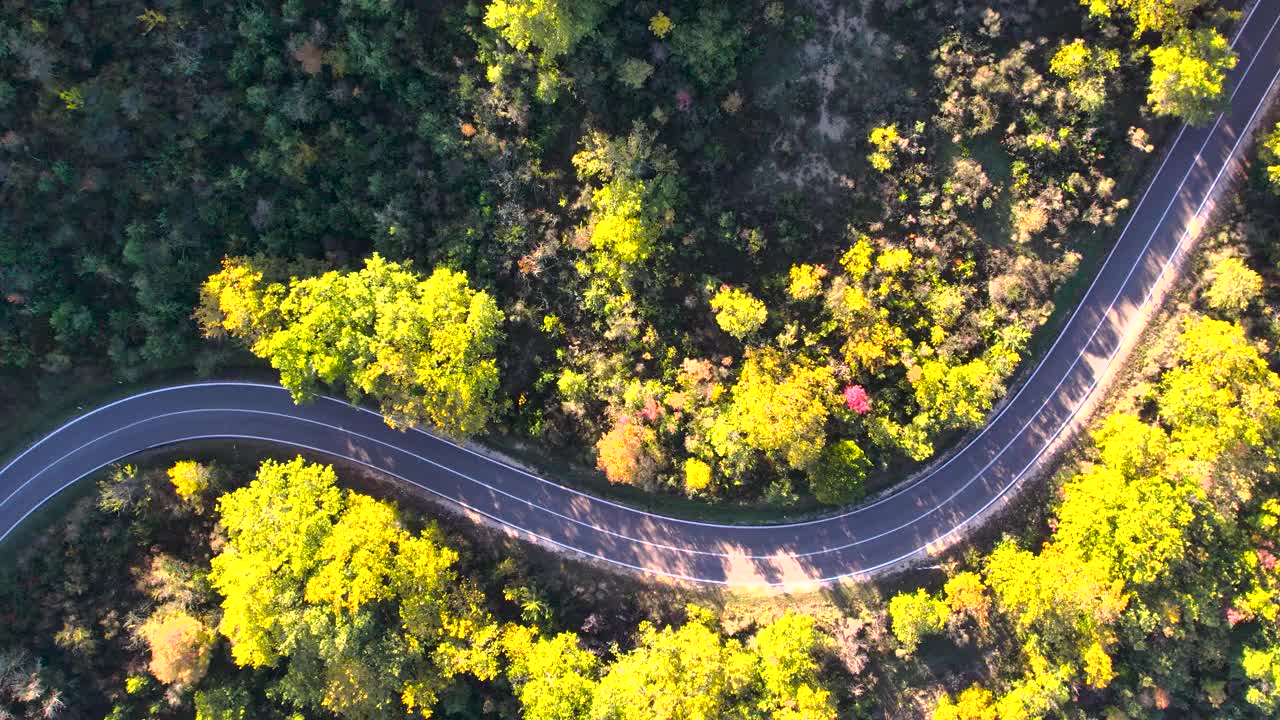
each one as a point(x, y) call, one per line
point(855, 396)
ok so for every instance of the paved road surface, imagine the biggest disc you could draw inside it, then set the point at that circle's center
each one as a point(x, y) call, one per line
point(848, 544)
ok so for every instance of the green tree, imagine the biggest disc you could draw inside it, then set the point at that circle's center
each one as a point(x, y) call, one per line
point(1233, 287)
point(425, 348)
point(1187, 75)
point(634, 73)
point(708, 46)
point(837, 478)
point(223, 702)
point(738, 312)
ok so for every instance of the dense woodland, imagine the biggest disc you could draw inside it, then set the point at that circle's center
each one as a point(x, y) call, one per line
point(768, 253)
point(603, 227)
point(1148, 588)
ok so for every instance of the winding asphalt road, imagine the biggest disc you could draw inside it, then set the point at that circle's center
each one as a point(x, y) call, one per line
point(921, 515)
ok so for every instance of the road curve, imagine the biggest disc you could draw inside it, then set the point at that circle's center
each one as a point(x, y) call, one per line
point(926, 511)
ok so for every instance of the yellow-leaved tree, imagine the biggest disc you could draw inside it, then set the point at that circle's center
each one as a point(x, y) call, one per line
point(367, 619)
point(424, 348)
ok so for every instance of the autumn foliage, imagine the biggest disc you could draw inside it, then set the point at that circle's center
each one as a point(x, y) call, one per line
point(625, 453)
point(181, 646)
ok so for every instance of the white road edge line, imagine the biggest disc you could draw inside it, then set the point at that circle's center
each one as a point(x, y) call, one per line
point(954, 529)
point(854, 511)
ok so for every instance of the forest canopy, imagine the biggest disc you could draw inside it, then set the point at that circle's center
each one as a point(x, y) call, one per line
point(647, 237)
point(774, 253)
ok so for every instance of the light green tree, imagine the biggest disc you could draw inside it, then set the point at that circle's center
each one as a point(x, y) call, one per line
point(552, 26)
point(423, 347)
point(697, 476)
point(633, 187)
point(885, 141)
point(806, 281)
point(1187, 74)
point(915, 616)
point(1062, 606)
point(974, 703)
point(788, 669)
point(553, 677)
point(1041, 691)
point(1269, 150)
point(1128, 512)
point(694, 673)
point(367, 619)
point(957, 395)
point(690, 673)
point(1164, 16)
point(1221, 395)
point(1086, 71)
point(1262, 667)
point(837, 478)
point(192, 480)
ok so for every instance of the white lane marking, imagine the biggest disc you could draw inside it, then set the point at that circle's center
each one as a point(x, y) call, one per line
point(1104, 319)
point(1027, 383)
point(955, 455)
point(1243, 22)
point(822, 580)
point(108, 406)
point(1097, 377)
point(332, 453)
point(1159, 223)
point(383, 443)
point(1240, 83)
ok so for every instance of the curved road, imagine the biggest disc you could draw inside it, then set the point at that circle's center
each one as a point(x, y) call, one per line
point(920, 515)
